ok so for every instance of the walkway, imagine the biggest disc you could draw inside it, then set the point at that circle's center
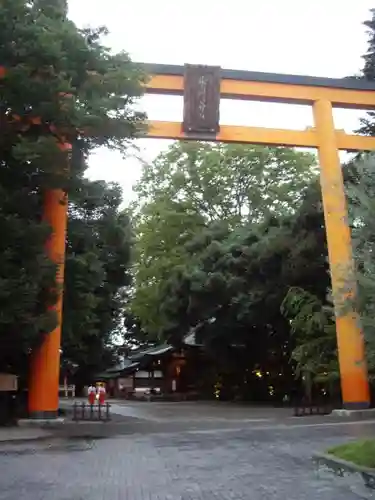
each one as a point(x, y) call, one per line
point(257, 460)
point(198, 412)
point(16, 434)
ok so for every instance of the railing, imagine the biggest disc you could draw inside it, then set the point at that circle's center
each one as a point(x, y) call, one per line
point(92, 413)
point(313, 408)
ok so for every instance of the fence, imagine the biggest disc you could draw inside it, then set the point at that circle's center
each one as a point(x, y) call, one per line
point(87, 412)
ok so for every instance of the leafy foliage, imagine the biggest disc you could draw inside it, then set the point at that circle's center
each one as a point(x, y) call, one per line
point(97, 278)
point(368, 73)
point(57, 84)
point(26, 274)
point(313, 317)
point(312, 324)
point(361, 193)
point(234, 282)
point(231, 182)
point(196, 188)
point(223, 232)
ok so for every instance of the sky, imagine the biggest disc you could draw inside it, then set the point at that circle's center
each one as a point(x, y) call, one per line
point(305, 37)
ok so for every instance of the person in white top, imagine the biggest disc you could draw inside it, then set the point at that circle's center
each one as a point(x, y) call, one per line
point(91, 393)
point(101, 394)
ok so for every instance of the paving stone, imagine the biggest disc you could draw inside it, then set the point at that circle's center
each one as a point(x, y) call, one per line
point(8, 434)
point(249, 463)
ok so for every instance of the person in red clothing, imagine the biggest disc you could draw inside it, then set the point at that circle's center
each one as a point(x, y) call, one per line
point(91, 393)
point(101, 394)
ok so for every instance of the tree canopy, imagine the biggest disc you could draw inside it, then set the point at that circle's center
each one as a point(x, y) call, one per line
point(97, 278)
point(194, 188)
point(313, 318)
point(222, 231)
point(361, 192)
point(59, 84)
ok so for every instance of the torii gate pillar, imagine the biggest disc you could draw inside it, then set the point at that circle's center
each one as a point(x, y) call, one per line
point(350, 339)
point(45, 362)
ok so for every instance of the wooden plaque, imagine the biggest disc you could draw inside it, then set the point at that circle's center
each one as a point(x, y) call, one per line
point(201, 100)
point(8, 382)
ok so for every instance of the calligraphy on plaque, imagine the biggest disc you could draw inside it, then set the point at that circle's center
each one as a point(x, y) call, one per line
point(201, 100)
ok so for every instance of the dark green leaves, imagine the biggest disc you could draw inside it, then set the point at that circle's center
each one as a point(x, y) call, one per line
point(60, 84)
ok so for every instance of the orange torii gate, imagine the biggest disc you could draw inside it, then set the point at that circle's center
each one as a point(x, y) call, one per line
point(204, 86)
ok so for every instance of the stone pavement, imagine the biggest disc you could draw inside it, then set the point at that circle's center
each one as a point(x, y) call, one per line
point(190, 411)
point(151, 417)
point(197, 411)
point(18, 434)
point(253, 461)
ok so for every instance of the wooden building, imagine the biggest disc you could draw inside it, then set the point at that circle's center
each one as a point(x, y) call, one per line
point(155, 370)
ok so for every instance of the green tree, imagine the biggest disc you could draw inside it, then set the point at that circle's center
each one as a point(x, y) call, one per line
point(361, 208)
point(231, 288)
point(232, 182)
point(194, 185)
point(26, 274)
point(57, 83)
point(361, 191)
point(97, 278)
point(312, 316)
point(368, 72)
point(313, 326)
point(162, 228)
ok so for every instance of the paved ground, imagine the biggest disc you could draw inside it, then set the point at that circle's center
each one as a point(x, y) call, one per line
point(268, 459)
point(198, 411)
point(10, 434)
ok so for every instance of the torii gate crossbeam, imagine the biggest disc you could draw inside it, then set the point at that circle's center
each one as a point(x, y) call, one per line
point(204, 86)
